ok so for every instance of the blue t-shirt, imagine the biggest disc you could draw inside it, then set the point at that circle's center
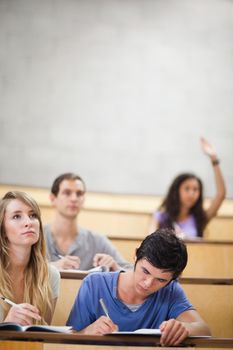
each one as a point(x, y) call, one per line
point(166, 303)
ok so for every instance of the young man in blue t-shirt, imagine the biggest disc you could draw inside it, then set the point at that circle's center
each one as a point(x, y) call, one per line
point(147, 297)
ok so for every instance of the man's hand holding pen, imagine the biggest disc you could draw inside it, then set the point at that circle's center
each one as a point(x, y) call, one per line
point(67, 262)
point(103, 325)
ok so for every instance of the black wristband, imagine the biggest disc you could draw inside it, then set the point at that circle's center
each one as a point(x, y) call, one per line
point(215, 162)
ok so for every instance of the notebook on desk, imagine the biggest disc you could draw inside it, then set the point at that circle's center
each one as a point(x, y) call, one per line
point(141, 331)
point(149, 331)
point(94, 269)
point(11, 326)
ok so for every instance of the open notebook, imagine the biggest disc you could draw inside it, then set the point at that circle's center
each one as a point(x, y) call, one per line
point(94, 269)
point(149, 331)
point(11, 326)
point(140, 331)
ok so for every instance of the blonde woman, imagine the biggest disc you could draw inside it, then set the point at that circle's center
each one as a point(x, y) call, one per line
point(26, 278)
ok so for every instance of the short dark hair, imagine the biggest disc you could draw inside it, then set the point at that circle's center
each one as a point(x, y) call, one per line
point(66, 176)
point(164, 250)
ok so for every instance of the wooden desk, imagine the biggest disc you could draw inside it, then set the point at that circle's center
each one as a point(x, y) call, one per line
point(213, 299)
point(70, 284)
point(48, 341)
point(212, 259)
point(125, 215)
point(209, 259)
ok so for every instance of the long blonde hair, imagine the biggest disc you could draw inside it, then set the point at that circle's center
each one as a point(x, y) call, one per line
point(37, 290)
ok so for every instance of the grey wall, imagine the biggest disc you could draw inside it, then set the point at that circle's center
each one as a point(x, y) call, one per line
point(117, 90)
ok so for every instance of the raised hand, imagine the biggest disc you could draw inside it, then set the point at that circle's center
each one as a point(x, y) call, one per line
point(208, 148)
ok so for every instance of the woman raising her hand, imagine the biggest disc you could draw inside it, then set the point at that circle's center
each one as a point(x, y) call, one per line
point(182, 208)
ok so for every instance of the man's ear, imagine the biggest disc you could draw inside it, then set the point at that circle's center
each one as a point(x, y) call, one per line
point(52, 197)
point(135, 256)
